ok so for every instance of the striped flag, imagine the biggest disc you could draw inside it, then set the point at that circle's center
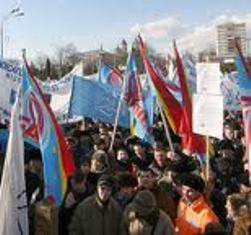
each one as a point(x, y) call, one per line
point(13, 201)
point(191, 142)
point(108, 74)
point(133, 97)
point(171, 106)
point(244, 82)
point(43, 126)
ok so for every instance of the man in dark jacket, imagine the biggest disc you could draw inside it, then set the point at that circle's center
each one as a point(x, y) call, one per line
point(123, 162)
point(147, 179)
point(77, 191)
point(160, 161)
point(127, 184)
point(143, 217)
point(141, 159)
point(98, 214)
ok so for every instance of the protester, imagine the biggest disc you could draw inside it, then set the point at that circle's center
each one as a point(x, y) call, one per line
point(33, 176)
point(127, 184)
point(123, 162)
point(98, 214)
point(147, 179)
point(193, 211)
point(76, 193)
point(142, 216)
point(141, 158)
point(160, 161)
point(239, 212)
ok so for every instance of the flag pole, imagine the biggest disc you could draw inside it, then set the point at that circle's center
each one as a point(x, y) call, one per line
point(207, 159)
point(116, 122)
point(117, 115)
point(118, 112)
point(24, 54)
point(168, 136)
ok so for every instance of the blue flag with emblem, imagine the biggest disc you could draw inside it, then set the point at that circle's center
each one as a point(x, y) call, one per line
point(41, 126)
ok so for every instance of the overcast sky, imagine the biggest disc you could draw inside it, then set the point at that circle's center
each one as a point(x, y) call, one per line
point(88, 23)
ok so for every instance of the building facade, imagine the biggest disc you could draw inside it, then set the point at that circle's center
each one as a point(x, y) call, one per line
point(226, 35)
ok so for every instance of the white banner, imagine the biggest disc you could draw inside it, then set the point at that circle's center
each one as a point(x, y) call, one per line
point(10, 78)
point(13, 201)
point(208, 115)
point(208, 78)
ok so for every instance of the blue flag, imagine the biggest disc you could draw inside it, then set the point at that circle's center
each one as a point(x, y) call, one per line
point(140, 103)
point(41, 125)
point(98, 101)
point(110, 75)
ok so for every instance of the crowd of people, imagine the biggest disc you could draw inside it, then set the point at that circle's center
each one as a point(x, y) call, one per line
point(137, 188)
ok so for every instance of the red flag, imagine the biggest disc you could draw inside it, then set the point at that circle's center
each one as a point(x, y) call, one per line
point(171, 106)
point(186, 126)
point(190, 141)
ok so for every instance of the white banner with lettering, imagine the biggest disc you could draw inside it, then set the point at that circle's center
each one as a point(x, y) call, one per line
point(208, 102)
point(10, 78)
point(208, 115)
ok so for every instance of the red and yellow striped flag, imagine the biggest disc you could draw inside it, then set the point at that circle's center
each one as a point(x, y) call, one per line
point(171, 106)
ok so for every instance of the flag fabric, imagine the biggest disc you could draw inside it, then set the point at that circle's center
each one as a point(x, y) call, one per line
point(110, 75)
point(13, 201)
point(133, 96)
point(191, 142)
point(97, 100)
point(186, 126)
point(171, 106)
point(244, 82)
point(43, 127)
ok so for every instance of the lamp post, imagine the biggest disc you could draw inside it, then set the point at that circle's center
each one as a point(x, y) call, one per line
point(15, 12)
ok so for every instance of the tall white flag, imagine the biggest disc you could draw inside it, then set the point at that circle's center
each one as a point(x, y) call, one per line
point(13, 201)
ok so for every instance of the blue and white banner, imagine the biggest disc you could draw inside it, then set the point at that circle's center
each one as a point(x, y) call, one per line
point(10, 77)
point(98, 101)
point(58, 90)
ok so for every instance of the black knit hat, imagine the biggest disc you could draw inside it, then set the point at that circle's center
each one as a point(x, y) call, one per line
point(183, 164)
point(225, 145)
point(106, 180)
point(191, 180)
point(125, 179)
point(144, 202)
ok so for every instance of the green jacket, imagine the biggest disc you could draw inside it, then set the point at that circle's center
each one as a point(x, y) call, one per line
point(92, 218)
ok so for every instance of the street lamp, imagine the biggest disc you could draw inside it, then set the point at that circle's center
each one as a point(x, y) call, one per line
point(15, 12)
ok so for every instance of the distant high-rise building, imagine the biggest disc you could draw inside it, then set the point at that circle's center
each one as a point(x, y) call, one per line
point(226, 34)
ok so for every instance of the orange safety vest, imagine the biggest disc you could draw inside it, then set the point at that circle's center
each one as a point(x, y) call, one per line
point(193, 218)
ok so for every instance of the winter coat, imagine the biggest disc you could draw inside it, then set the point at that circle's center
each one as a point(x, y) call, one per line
point(66, 213)
point(165, 201)
point(93, 218)
point(132, 225)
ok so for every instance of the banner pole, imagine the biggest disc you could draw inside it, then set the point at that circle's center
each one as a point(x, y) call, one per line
point(168, 136)
point(115, 124)
point(117, 115)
